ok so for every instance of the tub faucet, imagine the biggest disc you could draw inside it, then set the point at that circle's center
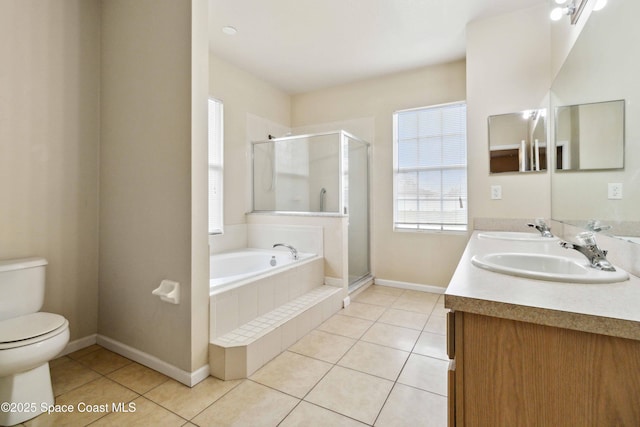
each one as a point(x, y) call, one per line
point(590, 249)
point(542, 227)
point(294, 251)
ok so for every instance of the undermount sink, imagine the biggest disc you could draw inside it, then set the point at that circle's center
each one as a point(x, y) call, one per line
point(515, 235)
point(547, 267)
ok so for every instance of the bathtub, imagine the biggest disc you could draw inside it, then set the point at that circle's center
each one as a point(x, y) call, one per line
point(230, 270)
point(244, 285)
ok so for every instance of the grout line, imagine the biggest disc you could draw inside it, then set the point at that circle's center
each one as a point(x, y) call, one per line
point(333, 365)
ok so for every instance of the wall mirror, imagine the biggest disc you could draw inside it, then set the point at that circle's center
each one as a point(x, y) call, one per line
point(518, 142)
point(590, 136)
point(602, 67)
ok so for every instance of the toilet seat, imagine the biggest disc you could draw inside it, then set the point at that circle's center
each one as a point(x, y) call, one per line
point(30, 329)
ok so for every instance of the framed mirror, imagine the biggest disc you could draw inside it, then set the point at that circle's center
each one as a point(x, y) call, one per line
point(590, 136)
point(602, 67)
point(518, 142)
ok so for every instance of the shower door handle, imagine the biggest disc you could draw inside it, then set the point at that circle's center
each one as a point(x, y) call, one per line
point(323, 193)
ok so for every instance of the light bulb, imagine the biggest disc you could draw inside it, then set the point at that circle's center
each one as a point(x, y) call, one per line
point(561, 1)
point(599, 4)
point(556, 13)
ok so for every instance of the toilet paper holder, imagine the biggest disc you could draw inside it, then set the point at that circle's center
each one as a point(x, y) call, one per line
point(168, 291)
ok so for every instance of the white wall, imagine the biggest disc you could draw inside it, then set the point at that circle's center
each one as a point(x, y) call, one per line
point(153, 139)
point(422, 258)
point(601, 68)
point(508, 70)
point(247, 100)
point(49, 142)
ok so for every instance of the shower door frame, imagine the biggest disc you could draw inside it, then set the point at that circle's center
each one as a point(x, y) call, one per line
point(343, 205)
point(361, 279)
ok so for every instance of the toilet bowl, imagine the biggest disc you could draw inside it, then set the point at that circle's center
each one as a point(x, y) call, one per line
point(28, 341)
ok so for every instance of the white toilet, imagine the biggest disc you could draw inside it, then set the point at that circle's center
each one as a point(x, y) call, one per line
point(28, 340)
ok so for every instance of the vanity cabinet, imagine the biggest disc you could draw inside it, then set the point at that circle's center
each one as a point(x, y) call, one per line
point(513, 373)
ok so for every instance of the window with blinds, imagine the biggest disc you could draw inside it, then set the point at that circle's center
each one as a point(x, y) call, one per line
point(215, 166)
point(430, 168)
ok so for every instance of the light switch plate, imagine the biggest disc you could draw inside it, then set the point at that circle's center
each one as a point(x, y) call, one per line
point(496, 192)
point(615, 191)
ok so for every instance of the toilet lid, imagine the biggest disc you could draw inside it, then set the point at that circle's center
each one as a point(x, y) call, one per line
point(29, 326)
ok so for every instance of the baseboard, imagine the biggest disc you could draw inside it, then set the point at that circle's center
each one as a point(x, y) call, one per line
point(187, 378)
point(412, 286)
point(78, 344)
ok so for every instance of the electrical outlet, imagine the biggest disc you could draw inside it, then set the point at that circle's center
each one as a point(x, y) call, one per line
point(496, 192)
point(615, 191)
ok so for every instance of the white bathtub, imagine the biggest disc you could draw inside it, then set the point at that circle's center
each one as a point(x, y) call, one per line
point(229, 270)
point(244, 285)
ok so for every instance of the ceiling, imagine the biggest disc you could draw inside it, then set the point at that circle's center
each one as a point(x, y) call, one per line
point(304, 45)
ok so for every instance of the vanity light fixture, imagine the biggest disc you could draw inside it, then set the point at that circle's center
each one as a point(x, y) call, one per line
point(558, 12)
point(573, 9)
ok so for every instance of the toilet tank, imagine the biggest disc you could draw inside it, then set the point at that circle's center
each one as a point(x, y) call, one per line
point(21, 286)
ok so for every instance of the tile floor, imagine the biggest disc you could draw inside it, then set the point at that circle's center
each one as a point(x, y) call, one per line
point(381, 361)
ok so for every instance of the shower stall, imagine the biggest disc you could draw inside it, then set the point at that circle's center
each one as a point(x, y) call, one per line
point(318, 174)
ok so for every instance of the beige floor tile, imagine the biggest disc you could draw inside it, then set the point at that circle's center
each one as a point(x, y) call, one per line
point(142, 413)
point(67, 374)
point(138, 378)
point(249, 404)
point(419, 305)
point(363, 311)
point(410, 407)
point(307, 414)
point(433, 345)
point(103, 361)
point(375, 359)
point(404, 318)
point(292, 373)
point(322, 345)
point(436, 325)
point(425, 373)
point(410, 294)
point(346, 326)
point(351, 393)
point(84, 351)
point(386, 290)
point(90, 402)
point(189, 401)
point(392, 336)
point(439, 309)
point(371, 296)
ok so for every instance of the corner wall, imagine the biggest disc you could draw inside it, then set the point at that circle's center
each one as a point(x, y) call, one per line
point(152, 135)
point(247, 100)
point(508, 70)
point(419, 258)
point(49, 143)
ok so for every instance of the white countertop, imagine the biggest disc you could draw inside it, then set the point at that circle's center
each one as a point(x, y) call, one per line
point(609, 309)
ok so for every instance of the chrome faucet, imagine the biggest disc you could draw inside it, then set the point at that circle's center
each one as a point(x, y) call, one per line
point(542, 227)
point(590, 249)
point(294, 251)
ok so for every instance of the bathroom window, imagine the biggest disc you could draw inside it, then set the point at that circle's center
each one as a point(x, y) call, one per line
point(215, 166)
point(430, 168)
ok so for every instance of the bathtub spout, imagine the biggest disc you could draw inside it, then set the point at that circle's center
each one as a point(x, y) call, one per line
point(294, 251)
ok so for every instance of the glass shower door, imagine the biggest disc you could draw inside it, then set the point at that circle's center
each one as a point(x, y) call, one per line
point(356, 175)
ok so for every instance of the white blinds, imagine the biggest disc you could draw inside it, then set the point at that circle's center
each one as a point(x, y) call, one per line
point(215, 166)
point(430, 168)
